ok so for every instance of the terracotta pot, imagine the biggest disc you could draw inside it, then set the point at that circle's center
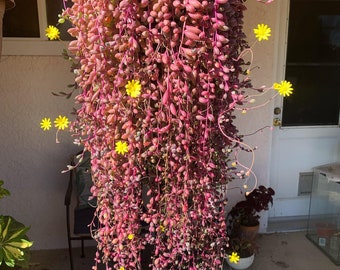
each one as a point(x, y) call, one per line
point(243, 263)
point(249, 232)
point(325, 230)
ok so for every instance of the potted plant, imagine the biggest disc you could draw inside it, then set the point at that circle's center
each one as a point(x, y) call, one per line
point(244, 216)
point(240, 253)
point(14, 243)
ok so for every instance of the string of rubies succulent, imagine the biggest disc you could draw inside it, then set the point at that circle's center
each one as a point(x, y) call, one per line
point(154, 77)
point(159, 83)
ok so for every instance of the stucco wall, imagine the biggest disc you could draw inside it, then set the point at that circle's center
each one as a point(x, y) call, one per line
point(30, 160)
point(263, 73)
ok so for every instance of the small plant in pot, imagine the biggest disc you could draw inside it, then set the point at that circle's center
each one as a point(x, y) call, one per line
point(240, 253)
point(246, 213)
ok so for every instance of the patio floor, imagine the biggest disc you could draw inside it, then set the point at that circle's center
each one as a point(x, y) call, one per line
point(278, 251)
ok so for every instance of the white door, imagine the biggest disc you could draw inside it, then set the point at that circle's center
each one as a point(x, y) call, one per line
point(299, 148)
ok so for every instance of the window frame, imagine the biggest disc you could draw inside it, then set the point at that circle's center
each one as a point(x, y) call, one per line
point(34, 46)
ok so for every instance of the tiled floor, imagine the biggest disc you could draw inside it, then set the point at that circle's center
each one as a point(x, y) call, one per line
point(278, 251)
point(291, 251)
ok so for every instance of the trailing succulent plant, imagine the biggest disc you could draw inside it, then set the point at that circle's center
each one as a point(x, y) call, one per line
point(14, 243)
point(159, 82)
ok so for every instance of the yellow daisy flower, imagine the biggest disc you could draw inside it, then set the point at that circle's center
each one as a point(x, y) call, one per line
point(262, 32)
point(52, 32)
point(121, 147)
point(61, 122)
point(122, 268)
point(131, 236)
point(133, 88)
point(284, 88)
point(234, 257)
point(45, 124)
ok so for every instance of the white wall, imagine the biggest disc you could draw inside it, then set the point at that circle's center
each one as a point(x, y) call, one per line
point(30, 160)
point(264, 55)
point(294, 151)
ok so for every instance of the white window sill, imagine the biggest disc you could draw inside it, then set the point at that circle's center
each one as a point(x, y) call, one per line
point(27, 46)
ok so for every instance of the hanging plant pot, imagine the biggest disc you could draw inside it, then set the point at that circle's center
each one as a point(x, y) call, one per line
point(243, 263)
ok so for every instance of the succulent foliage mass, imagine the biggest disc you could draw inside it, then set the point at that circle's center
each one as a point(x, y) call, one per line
point(160, 80)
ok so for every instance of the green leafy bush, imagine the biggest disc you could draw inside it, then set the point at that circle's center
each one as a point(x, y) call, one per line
point(14, 243)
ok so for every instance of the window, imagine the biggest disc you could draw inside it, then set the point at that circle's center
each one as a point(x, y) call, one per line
point(313, 63)
point(24, 28)
point(28, 26)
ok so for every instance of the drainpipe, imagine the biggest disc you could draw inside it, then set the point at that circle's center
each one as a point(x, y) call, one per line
point(4, 5)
